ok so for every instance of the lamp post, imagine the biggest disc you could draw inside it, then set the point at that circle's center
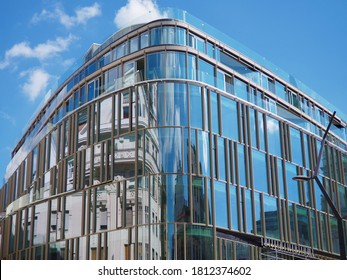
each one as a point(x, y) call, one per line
point(336, 212)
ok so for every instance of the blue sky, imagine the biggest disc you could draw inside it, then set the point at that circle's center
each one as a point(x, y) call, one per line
point(40, 40)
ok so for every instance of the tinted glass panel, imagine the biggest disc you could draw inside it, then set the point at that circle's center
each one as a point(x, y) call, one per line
point(259, 171)
point(271, 217)
point(229, 118)
point(220, 201)
point(273, 136)
point(196, 115)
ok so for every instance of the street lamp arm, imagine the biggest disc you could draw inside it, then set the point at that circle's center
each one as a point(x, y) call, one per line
point(316, 171)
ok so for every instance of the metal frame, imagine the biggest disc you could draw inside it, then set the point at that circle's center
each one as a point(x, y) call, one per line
point(334, 209)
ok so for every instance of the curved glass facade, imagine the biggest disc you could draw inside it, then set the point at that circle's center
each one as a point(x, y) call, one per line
point(170, 145)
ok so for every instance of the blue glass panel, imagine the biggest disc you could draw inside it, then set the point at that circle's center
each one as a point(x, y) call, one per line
point(192, 67)
point(214, 112)
point(271, 217)
point(134, 44)
point(295, 139)
point(209, 199)
point(229, 118)
point(206, 72)
point(259, 171)
point(175, 194)
point(144, 40)
point(249, 211)
point(258, 213)
point(170, 152)
point(273, 136)
point(204, 153)
point(240, 89)
point(155, 66)
point(234, 208)
point(261, 131)
point(181, 36)
point(253, 128)
point(292, 186)
point(222, 167)
point(242, 165)
point(280, 91)
point(321, 203)
point(220, 202)
point(196, 115)
point(175, 65)
point(280, 178)
point(176, 113)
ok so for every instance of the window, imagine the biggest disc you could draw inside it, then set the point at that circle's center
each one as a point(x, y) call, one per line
point(260, 171)
point(206, 72)
point(241, 89)
point(196, 114)
point(273, 136)
point(271, 217)
point(220, 202)
point(229, 118)
point(234, 208)
point(296, 147)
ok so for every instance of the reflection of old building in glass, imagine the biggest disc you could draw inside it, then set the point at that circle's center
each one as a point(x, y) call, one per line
point(172, 141)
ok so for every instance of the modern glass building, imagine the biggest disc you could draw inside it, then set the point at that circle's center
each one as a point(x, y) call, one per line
point(173, 141)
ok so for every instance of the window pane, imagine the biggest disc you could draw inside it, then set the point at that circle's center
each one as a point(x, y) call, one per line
point(196, 115)
point(169, 151)
point(258, 213)
point(292, 186)
point(176, 104)
point(206, 72)
point(303, 225)
point(259, 171)
point(234, 208)
point(261, 131)
point(295, 140)
point(175, 198)
point(271, 217)
point(241, 89)
point(292, 222)
point(249, 211)
point(229, 118)
point(192, 67)
point(175, 65)
point(273, 136)
point(241, 164)
point(221, 159)
point(199, 200)
point(314, 229)
point(220, 202)
point(204, 153)
point(214, 112)
point(155, 66)
point(105, 119)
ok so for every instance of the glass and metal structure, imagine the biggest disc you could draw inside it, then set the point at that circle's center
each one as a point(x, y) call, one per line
point(173, 141)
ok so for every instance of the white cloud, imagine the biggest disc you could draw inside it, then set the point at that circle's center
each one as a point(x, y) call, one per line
point(41, 51)
point(137, 11)
point(36, 84)
point(81, 16)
